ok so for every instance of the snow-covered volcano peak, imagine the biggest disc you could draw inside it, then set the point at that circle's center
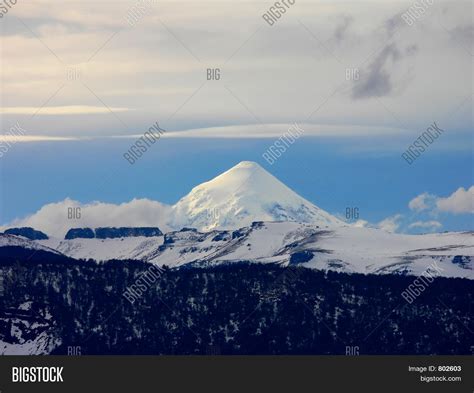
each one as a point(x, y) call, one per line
point(243, 194)
point(245, 177)
point(246, 164)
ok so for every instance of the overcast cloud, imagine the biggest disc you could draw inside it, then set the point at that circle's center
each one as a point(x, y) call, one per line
point(103, 76)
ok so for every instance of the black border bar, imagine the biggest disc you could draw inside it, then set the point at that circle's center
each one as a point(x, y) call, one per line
point(243, 374)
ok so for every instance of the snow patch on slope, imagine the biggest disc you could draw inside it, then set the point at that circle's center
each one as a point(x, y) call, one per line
point(139, 247)
point(19, 241)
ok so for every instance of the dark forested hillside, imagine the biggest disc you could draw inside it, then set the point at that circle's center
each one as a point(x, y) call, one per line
point(231, 309)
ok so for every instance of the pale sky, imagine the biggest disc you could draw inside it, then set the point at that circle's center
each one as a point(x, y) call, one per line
point(78, 68)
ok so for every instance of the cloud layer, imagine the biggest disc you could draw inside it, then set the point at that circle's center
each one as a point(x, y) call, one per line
point(460, 201)
point(87, 63)
point(54, 218)
point(428, 206)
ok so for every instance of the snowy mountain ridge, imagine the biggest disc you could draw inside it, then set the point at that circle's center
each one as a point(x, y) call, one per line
point(344, 249)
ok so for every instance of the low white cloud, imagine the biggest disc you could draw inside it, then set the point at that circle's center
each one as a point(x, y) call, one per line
point(390, 224)
point(361, 224)
point(276, 130)
point(421, 202)
point(430, 225)
point(460, 201)
point(253, 131)
point(53, 218)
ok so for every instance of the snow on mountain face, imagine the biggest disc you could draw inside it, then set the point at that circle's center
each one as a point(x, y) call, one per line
point(28, 333)
point(172, 249)
point(352, 250)
point(369, 250)
point(23, 242)
point(242, 195)
point(189, 245)
point(138, 247)
point(344, 249)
